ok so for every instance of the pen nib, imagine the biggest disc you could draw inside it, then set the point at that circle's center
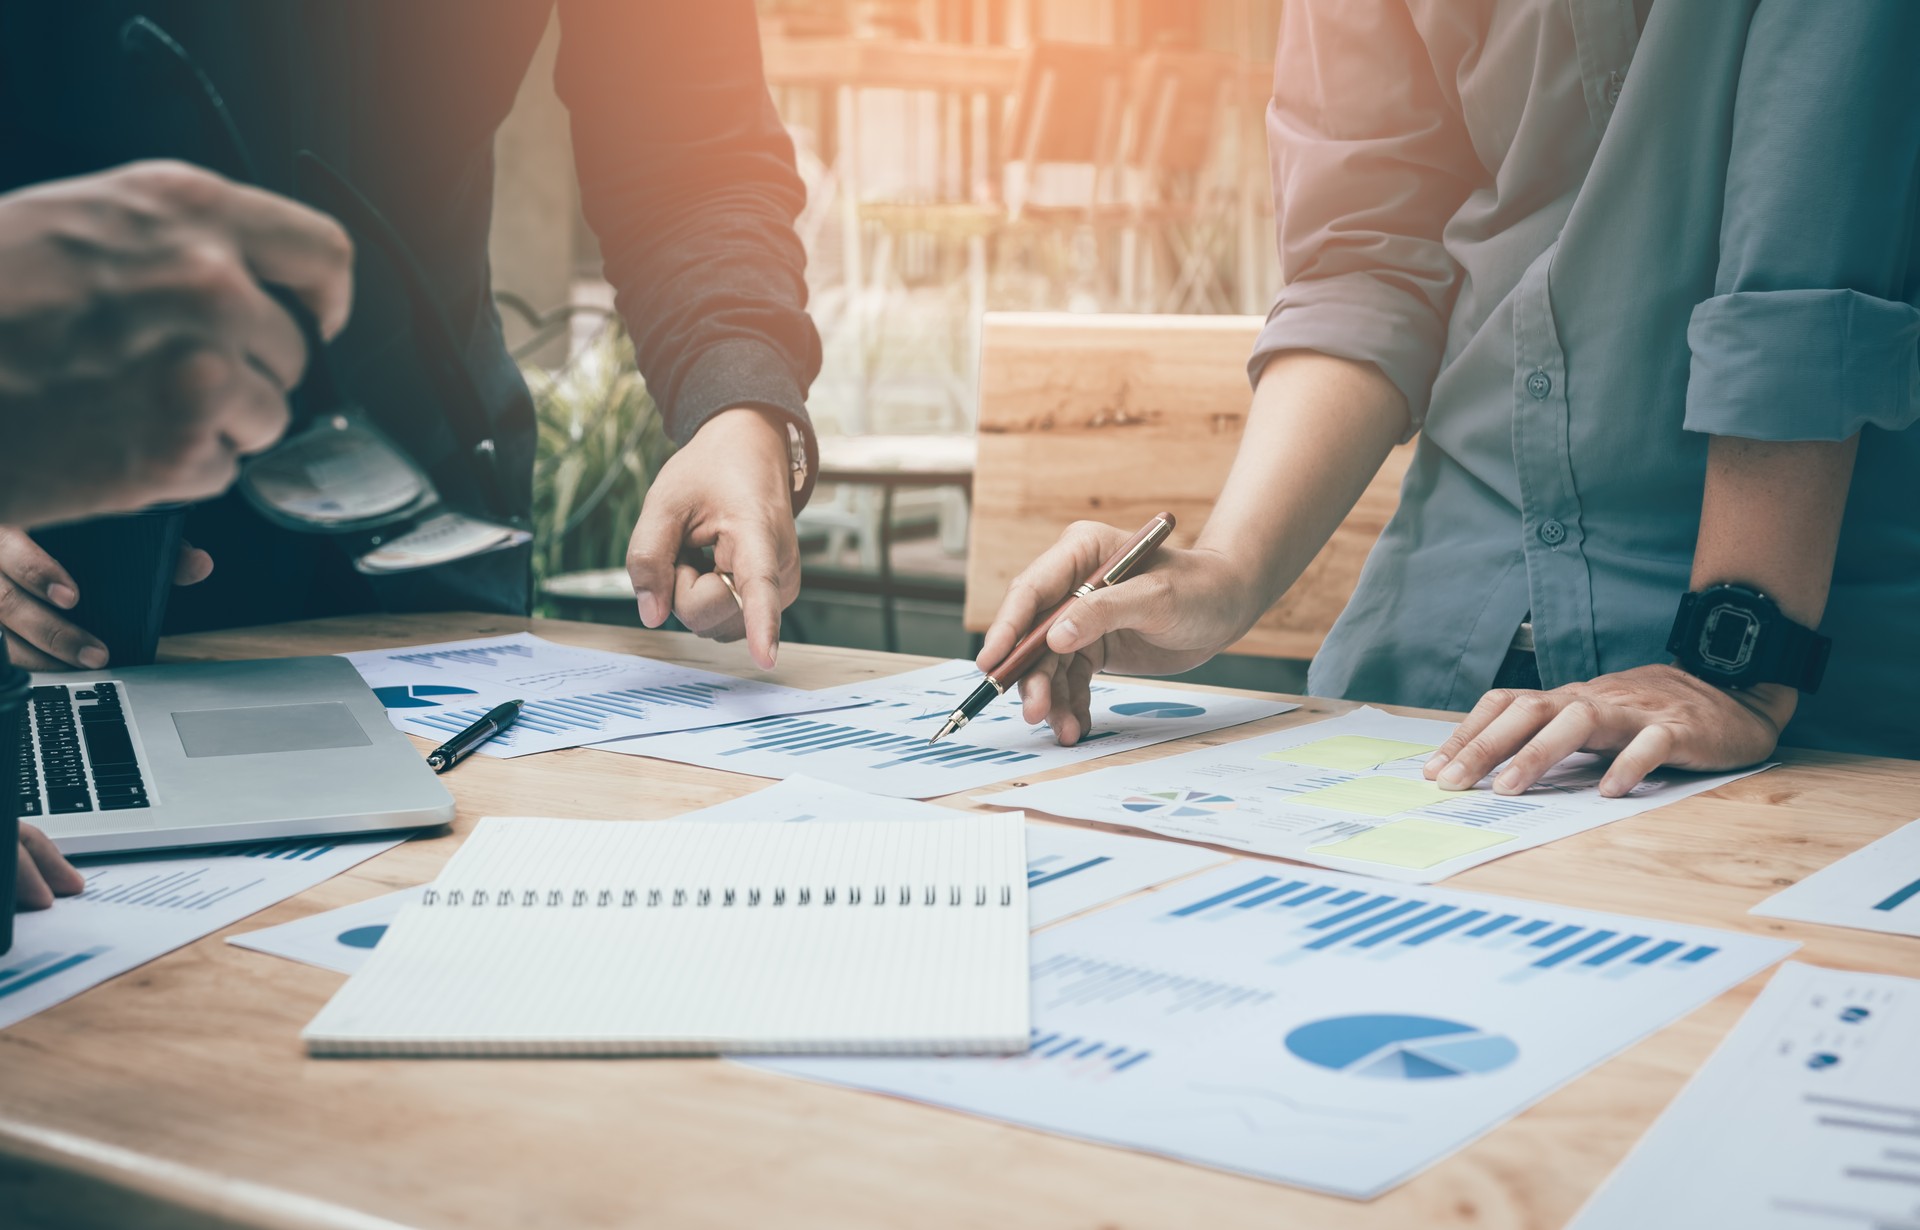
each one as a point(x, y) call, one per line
point(955, 721)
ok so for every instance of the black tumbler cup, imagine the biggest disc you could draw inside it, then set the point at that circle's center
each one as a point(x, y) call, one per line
point(123, 567)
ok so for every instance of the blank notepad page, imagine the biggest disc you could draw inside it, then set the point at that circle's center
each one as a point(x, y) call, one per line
point(605, 937)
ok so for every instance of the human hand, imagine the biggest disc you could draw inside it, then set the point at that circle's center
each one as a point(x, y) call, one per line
point(729, 488)
point(1646, 717)
point(43, 872)
point(1186, 605)
point(35, 589)
point(139, 356)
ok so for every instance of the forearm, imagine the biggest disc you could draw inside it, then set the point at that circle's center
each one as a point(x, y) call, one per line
point(1771, 518)
point(1317, 433)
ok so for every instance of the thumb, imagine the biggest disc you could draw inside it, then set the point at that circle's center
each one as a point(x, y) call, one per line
point(1139, 604)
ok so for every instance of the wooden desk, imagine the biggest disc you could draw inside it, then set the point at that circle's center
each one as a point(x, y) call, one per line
point(178, 1095)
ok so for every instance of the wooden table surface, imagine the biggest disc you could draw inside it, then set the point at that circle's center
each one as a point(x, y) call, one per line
point(177, 1095)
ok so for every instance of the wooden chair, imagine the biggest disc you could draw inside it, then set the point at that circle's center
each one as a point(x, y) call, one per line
point(1112, 418)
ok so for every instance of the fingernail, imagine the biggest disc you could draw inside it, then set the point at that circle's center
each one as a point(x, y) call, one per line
point(93, 657)
point(1437, 763)
point(1507, 783)
point(63, 596)
point(1065, 633)
point(1456, 777)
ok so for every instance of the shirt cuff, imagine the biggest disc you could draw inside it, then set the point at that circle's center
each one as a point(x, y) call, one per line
point(1361, 318)
point(1802, 365)
point(737, 373)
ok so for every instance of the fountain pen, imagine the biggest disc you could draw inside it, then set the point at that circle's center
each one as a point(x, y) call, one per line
point(1033, 646)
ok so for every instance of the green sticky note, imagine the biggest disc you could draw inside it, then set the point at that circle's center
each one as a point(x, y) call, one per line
point(1350, 752)
point(1377, 796)
point(1414, 843)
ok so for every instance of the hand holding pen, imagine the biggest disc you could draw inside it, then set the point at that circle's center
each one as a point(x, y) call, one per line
point(1178, 608)
point(1028, 652)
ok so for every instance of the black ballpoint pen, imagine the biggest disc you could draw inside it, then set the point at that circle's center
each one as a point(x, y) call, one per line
point(462, 745)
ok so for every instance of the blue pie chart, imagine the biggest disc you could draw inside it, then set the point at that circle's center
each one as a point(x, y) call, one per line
point(418, 696)
point(1158, 708)
point(1400, 1048)
point(363, 937)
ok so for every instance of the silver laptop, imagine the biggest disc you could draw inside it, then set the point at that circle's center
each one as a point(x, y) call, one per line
point(210, 752)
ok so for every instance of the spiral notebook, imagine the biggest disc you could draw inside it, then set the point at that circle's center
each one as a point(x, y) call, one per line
point(592, 937)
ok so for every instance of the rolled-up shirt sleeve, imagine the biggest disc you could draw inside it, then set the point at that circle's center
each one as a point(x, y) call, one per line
point(1812, 332)
point(1369, 162)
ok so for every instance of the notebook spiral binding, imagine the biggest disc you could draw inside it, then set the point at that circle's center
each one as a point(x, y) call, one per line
point(724, 898)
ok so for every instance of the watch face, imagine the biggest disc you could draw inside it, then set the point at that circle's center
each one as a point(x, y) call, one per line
point(1727, 637)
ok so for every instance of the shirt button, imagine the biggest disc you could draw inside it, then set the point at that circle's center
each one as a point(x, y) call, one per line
point(1539, 384)
point(1614, 82)
point(1553, 533)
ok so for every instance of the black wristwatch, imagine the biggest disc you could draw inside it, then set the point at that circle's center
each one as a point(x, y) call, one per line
point(1735, 637)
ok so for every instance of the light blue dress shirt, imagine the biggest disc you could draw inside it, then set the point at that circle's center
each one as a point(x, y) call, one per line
point(1581, 236)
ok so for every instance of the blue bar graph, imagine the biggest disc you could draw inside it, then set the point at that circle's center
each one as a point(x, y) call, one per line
point(1335, 920)
point(1095, 1058)
point(1592, 939)
point(792, 736)
point(1618, 950)
point(482, 655)
point(1366, 924)
point(1251, 886)
point(1271, 894)
point(1451, 924)
point(1401, 928)
point(1313, 917)
point(1899, 897)
point(594, 711)
point(24, 975)
point(1036, 876)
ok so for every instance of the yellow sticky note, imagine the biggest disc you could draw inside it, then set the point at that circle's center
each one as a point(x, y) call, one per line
point(1350, 752)
point(1376, 796)
point(1414, 843)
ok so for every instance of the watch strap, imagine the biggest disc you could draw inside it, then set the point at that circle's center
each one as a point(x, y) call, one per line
point(1791, 654)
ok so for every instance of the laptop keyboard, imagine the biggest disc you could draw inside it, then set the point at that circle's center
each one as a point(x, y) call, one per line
point(80, 756)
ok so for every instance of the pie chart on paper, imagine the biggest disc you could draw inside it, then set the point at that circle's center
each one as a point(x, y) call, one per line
point(1158, 708)
point(419, 695)
point(1401, 1048)
point(1180, 804)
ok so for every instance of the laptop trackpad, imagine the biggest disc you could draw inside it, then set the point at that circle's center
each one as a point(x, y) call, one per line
point(270, 728)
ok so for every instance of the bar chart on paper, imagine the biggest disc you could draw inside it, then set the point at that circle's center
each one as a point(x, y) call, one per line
point(1068, 869)
point(135, 909)
point(575, 697)
point(1346, 793)
point(1876, 888)
point(882, 747)
point(1806, 1118)
point(1372, 1032)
